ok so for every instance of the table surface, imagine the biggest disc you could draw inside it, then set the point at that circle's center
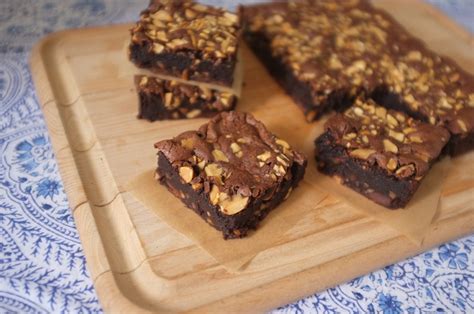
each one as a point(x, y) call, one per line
point(44, 271)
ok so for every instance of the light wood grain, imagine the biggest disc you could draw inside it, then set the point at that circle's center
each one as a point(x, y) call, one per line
point(137, 262)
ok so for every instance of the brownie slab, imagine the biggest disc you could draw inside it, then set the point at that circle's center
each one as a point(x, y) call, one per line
point(319, 51)
point(232, 171)
point(161, 99)
point(186, 40)
point(382, 154)
point(326, 53)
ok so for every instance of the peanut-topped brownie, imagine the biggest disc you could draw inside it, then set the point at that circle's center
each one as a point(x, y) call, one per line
point(432, 89)
point(325, 53)
point(186, 40)
point(382, 154)
point(321, 52)
point(232, 171)
point(169, 99)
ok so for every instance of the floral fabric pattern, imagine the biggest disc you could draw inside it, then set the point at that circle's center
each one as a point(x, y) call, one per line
point(439, 281)
point(42, 265)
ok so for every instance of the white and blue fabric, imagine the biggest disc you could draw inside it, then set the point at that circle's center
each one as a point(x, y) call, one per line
point(42, 265)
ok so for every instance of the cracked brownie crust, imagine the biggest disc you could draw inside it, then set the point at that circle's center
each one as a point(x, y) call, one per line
point(232, 171)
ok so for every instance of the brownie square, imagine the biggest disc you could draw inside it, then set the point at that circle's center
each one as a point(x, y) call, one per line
point(161, 99)
point(186, 40)
point(382, 154)
point(327, 53)
point(232, 171)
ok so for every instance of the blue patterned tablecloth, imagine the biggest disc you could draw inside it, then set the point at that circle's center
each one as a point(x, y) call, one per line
point(42, 266)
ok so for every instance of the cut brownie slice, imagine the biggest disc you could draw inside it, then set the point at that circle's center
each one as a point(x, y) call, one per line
point(186, 40)
point(169, 99)
point(232, 171)
point(382, 154)
point(324, 53)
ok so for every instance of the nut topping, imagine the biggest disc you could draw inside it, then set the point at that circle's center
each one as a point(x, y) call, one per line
point(381, 112)
point(189, 14)
point(279, 170)
point(405, 171)
point(158, 48)
point(162, 16)
point(281, 160)
point(350, 136)
point(201, 164)
point(265, 156)
point(193, 113)
point(175, 43)
point(235, 148)
point(187, 143)
point(415, 139)
point(396, 135)
point(392, 121)
point(461, 125)
point(168, 99)
point(213, 170)
point(219, 155)
point(143, 81)
point(162, 37)
point(233, 205)
point(282, 143)
point(362, 153)
point(358, 111)
point(389, 146)
point(186, 173)
point(214, 195)
point(392, 164)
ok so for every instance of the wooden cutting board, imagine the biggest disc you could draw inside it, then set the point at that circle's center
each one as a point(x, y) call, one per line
point(140, 264)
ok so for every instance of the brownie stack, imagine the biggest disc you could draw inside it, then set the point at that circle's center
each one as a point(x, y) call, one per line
point(232, 171)
point(402, 104)
point(190, 51)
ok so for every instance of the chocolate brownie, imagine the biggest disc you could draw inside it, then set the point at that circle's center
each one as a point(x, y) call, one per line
point(186, 40)
point(232, 171)
point(321, 52)
point(326, 53)
point(169, 99)
point(382, 154)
